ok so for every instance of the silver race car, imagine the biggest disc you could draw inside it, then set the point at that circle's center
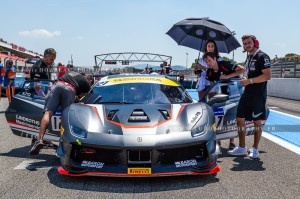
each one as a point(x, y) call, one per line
point(133, 125)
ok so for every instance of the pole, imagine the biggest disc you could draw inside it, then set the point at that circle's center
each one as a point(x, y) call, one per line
point(186, 66)
point(233, 33)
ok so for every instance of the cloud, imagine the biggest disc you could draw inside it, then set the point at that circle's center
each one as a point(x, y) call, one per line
point(39, 33)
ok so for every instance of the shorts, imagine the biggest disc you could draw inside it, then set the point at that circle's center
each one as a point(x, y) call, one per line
point(1, 79)
point(252, 107)
point(60, 96)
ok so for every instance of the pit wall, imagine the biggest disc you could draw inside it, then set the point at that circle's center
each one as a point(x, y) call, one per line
point(288, 88)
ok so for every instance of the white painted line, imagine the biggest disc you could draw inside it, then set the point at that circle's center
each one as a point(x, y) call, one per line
point(272, 107)
point(29, 165)
point(281, 142)
point(286, 114)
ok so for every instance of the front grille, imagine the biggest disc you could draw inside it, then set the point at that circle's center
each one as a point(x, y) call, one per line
point(182, 153)
point(110, 156)
point(139, 157)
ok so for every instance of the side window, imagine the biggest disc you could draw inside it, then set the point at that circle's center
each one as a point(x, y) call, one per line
point(36, 89)
point(234, 90)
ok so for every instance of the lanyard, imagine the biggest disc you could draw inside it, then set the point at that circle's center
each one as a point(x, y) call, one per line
point(248, 61)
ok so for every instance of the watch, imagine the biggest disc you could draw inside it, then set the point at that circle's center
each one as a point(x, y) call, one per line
point(251, 81)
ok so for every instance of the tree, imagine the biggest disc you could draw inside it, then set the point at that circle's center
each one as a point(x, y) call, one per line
point(290, 55)
point(228, 59)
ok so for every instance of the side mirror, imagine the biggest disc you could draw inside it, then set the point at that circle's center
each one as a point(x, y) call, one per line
point(218, 99)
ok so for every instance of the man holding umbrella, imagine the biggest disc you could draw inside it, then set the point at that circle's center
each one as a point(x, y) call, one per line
point(253, 100)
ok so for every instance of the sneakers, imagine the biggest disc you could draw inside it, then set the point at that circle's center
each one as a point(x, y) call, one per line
point(231, 146)
point(238, 151)
point(253, 153)
point(38, 145)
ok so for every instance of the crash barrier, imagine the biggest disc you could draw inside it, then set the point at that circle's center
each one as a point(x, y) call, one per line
point(287, 88)
point(287, 69)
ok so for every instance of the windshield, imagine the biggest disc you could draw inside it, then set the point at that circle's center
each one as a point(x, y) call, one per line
point(142, 93)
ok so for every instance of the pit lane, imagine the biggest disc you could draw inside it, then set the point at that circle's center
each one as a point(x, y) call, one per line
point(274, 175)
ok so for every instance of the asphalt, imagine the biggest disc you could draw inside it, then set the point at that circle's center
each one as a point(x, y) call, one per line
point(276, 174)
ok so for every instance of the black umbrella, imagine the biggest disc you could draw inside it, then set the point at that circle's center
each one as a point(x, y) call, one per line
point(194, 33)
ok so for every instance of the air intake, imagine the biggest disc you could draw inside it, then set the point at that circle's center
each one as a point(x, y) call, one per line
point(138, 115)
point(165, 114)
point(111, 114)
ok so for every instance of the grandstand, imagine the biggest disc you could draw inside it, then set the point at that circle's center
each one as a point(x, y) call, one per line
point(18, 54)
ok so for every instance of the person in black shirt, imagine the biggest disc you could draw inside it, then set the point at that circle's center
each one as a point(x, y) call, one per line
point(62, 95)
point(42, 68)
point(253, 100)
point(220, 69)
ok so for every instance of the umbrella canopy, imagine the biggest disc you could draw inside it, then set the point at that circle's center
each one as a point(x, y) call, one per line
point(194, 33)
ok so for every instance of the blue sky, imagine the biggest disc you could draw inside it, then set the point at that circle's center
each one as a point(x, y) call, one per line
point(84, 28)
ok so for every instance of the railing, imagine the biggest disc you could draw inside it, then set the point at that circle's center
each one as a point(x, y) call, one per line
point(287, 69)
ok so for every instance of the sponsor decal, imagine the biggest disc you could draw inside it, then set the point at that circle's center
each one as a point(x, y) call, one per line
point(186, 163)
point(231, 122)
point(78, 142)
point(195, 118)
point(91, 164)
point(27, 122)
point(139, 171)
point(219, 111)
point(156, 80)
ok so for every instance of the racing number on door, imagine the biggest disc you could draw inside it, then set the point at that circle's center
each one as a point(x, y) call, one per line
point(55, 121)
point(219, 120)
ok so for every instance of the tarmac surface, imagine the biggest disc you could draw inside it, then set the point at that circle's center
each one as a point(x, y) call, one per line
point(276, 174)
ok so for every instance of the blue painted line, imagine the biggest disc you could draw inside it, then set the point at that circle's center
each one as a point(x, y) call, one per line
point(281, 125)
point(284, 126)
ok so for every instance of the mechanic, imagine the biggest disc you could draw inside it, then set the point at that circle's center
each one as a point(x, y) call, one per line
point(201, 67)
point(219, 69)
point(62, 95)
point(42, 68)
point(253, 100)
point(9, 79)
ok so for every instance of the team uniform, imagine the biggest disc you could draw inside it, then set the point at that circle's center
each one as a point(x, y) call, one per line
point(40, 70)
point(64, 91)
point(2, 73)
point(225, 68)
point(9, 76)
point(253, 100)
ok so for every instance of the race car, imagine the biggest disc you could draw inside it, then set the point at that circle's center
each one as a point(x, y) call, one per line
point(134, 125)
point(128, 125)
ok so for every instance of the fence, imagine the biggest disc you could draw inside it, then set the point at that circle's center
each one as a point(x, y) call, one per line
point(288, 69)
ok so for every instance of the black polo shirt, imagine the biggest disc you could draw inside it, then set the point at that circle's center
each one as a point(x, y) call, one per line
point(255, 64)
point(225, 68)
point(40, 70)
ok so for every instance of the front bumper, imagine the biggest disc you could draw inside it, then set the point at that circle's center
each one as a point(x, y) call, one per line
point(82, 158)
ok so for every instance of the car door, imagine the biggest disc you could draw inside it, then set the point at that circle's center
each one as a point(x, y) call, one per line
point(223, 97)
point(26, 109)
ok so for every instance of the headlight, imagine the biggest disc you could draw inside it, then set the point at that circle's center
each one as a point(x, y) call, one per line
point(199, 130)
point(78, 132)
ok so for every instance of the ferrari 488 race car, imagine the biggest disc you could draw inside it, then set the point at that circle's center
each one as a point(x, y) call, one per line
point(133, 125)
